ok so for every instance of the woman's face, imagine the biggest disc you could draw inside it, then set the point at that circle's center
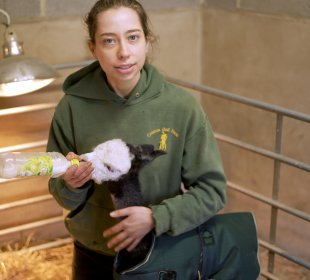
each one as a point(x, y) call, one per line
point(120, 47)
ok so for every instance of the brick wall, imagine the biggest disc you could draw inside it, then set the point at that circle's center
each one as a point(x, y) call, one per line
point(34, 9)
point(296, 8)
point(30, 9)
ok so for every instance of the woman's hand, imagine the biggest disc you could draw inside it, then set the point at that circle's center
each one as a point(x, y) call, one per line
point(76, 176)
point(136, 223)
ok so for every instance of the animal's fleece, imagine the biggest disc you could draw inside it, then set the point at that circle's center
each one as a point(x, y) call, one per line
point(118, 164)
point(110, 160)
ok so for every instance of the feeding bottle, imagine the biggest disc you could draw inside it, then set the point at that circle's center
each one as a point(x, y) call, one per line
point(20, 164)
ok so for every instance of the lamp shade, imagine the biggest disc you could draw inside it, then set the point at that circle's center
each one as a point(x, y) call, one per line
point(20, 75)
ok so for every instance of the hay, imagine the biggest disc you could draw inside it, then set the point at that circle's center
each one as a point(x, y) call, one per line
point(49, 264)
point(55, 264)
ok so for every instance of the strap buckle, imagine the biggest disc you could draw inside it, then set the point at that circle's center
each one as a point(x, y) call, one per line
point(167, 275)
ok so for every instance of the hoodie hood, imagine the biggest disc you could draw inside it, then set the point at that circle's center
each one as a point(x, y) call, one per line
point(91, 82)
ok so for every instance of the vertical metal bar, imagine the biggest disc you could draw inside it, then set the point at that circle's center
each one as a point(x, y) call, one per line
point(275, 191)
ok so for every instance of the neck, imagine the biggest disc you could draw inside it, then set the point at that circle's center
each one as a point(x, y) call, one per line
point(124, 88)
point(123, 92)
point(126, 192)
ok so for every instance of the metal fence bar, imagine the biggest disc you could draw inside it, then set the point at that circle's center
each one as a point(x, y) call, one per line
point(27, 201)
point(49, 245)
point(292, 211)
point(213, 91)
point(26, 109)
point(241, 99)
point(24, 146)
point(264, 152)
point(269, 246)
point(268, 275)
point(275, 191)
point(73, 64)
point(284, 254)
point(2, 181)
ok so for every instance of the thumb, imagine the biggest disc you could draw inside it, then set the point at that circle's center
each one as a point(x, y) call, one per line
point(72, 155)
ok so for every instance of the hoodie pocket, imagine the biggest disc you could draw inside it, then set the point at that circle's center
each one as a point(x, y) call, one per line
point(87, 225)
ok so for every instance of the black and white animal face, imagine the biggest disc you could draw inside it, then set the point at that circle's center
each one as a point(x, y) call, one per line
point(142, 155)
point(125, 191)
point(114, 159)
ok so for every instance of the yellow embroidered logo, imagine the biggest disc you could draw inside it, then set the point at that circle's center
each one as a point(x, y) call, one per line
point(164, 133)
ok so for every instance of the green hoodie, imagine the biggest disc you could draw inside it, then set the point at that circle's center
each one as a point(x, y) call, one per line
point(156, 113)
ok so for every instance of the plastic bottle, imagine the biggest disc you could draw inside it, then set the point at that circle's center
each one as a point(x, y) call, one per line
point(20, 164)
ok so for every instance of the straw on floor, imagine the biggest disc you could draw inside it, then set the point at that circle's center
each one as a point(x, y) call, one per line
point(48, 264)
point(42, 263)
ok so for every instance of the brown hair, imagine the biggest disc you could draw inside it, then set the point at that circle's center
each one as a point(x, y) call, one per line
point(103, 5)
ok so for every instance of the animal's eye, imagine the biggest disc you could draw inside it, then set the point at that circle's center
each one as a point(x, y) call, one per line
point(109, 167)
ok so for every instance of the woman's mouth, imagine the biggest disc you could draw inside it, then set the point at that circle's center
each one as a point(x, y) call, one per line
point(125, 69)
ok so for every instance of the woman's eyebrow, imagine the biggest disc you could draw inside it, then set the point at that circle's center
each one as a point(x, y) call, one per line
point(133, 30)
point(107, 34)
point(114, 34)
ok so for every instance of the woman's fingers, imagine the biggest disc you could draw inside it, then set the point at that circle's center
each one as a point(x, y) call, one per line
point(136, 222)
point(132, 245)
point(77, 176)
point(72, 155)
point(120, 241)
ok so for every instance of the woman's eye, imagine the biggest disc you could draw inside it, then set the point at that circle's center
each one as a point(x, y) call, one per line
point(108, 41)
point(133, 37)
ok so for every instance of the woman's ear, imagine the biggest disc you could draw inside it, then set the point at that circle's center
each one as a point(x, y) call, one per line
point(91, 47)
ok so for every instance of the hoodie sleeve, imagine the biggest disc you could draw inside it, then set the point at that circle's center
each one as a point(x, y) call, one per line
point(61, 140)
point(205, 183)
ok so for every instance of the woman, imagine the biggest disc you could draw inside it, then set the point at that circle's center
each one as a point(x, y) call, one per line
point(121, 96)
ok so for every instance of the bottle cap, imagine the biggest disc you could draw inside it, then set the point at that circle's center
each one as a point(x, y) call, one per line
point(75, 162)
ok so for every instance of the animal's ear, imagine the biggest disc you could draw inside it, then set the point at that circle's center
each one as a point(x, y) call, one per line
point(132, 149)
point(148, 154)
point(158, 153)
point(144, 153)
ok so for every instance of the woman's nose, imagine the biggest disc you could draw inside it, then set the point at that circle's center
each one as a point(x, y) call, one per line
point(123, 51)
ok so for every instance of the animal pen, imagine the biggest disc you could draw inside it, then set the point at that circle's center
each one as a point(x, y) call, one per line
point(28, 210)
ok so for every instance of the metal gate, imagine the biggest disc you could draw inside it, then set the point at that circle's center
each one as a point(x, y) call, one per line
point(278, 159)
